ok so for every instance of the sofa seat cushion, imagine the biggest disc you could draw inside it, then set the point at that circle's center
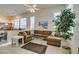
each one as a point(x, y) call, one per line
point(53, 37)
point(56, 41)
point(44, 35)
point(28, 36)
point(37, 34)
point(28, 32)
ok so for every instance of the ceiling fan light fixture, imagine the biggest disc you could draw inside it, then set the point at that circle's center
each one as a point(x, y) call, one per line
point(32, 10)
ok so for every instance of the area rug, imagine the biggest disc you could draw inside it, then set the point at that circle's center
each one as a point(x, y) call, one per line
point(34, 47)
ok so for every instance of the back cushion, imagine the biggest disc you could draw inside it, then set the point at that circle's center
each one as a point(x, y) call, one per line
point(36, 31)
point(28, 32)
point(20, 33)
point(42, 32)
point(47, 32)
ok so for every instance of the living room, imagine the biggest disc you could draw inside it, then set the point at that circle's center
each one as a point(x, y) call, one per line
point(37, 21)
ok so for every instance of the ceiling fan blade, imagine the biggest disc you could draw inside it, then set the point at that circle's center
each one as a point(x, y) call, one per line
point(32, 10)
point(34, 5)
point(36, 8)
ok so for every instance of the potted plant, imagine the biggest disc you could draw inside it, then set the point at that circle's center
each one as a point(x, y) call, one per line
point(64, 24)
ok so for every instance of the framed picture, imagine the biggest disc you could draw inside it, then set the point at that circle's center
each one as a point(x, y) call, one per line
point(44, 24)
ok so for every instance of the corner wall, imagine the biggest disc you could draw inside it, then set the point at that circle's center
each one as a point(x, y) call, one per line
point(75, 39)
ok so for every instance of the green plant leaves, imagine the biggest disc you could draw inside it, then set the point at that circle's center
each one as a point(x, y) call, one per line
point(64, 22)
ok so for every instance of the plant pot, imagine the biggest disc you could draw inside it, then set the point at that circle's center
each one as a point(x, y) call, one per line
point(65, 45)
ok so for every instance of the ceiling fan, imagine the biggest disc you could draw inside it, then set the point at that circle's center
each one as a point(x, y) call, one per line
point(32, 8)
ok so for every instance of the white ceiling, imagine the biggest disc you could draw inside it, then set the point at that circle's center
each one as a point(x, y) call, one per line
point(14, 9)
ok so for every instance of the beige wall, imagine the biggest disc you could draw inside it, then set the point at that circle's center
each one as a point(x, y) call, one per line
point(6, 19)
point(3, 19)
point(75, 39)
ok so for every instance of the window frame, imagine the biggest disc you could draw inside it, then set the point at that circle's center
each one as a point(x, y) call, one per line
point(19, 24)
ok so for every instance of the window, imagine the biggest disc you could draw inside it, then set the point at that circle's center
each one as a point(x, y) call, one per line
point(20, 23)
point(56, 14)
point(32, 23)
point(70, 6)
point(23, 23)
point(55, 18)
point(16, 24)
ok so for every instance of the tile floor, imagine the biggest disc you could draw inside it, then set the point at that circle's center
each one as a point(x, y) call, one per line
point(17, 50)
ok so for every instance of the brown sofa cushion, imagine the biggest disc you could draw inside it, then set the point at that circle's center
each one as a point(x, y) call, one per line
point(20, 33)
point(26, 37)
point(28, 32)
point(37, 32)
point(56, 41)
point(45, 33)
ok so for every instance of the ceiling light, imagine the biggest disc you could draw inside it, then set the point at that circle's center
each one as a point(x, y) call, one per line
point(32, 8)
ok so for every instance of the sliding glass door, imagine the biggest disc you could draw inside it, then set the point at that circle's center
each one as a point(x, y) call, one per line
point(32, 24)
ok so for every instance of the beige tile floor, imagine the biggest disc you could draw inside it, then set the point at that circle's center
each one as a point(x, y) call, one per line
point(17, 50)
